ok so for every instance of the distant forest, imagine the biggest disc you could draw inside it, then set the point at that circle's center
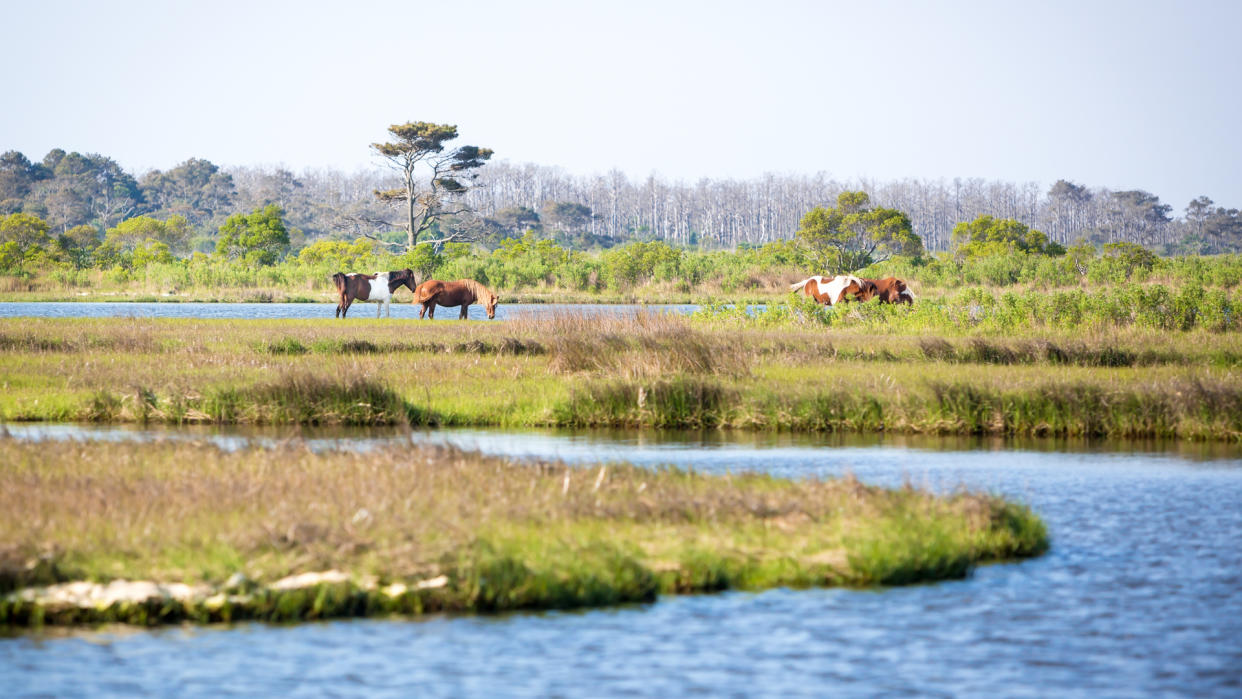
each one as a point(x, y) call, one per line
point(70, 190)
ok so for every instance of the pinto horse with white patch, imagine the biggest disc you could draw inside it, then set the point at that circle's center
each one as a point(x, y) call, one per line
point(833, 290)
point(376, 288)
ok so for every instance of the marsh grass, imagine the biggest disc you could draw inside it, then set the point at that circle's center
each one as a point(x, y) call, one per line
point(940, 402)
point(1013, 310)
point(678, 402)
point(293, 346)
point(649, 370)
point(641, 345)
point(311, 399)
point(505, 534)
point(127, 336)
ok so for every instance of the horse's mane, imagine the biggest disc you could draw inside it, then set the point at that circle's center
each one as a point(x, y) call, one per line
point(480, 292)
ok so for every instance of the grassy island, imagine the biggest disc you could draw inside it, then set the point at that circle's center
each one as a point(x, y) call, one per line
point(166, 532)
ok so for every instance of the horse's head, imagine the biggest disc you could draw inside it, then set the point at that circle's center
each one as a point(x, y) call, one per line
point(904, 295)
point(490, 304)
point(400, 278)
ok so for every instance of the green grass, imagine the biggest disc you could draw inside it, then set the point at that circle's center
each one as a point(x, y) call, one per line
point(651, 371)
point(503, 534)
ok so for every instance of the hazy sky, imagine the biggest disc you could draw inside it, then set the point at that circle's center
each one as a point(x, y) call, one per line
point(1117, 94)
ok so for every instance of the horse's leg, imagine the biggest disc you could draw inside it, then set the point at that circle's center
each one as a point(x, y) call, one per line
point(379, 306)
point(465, 308)
point(388, 307)
point(345, 310)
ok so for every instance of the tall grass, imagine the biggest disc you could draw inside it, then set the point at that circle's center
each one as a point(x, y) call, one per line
point(311, 399)
point(644, 344)
point(1012, 310)
point(649, 370)
point(503, 534)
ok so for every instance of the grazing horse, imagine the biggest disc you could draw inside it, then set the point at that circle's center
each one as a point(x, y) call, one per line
point(892, 290)
point(833, 290)
point(462, 292)
point(377, 288)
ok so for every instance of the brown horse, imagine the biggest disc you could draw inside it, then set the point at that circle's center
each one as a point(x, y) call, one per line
point(833, 290)
point(462, 292)
point(892, 290)
point(378, 288)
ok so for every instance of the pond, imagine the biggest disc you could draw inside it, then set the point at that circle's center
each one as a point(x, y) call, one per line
point(504, 311)
point(1141, 593)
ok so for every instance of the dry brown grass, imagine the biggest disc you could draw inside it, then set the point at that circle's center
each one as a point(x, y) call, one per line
point(643, 345)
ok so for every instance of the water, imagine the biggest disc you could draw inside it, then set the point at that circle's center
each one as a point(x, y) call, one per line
point(504, 311)
point(1140, 595)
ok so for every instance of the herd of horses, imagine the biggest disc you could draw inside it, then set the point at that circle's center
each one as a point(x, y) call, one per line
point(379, 288)
point(830, 291)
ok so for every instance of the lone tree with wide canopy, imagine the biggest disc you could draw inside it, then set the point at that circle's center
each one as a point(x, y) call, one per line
point(853, 235)
point(435, 180)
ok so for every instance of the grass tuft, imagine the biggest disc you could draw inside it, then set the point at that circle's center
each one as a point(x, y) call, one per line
point(312, 399)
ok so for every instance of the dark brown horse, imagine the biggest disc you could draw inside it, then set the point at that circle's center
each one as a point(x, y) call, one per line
point(892, 290)
point(833, 290)
point(462, 292)
point(378, 288)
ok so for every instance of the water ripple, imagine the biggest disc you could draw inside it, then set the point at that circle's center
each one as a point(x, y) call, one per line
point(1141, 594)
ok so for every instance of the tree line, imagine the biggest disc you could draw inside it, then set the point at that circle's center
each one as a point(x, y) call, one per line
point(728, 213)
point(84, 196)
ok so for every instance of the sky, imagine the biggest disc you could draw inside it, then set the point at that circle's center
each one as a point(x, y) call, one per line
point(1124, 95)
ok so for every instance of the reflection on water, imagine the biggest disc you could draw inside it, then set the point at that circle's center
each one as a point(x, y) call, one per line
point(1141, 593)
point(681, 447)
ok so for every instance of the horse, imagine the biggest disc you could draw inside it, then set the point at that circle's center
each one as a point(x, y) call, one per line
point(892, 290)
point(834, 290)
point(377, 287)
point(462, 292)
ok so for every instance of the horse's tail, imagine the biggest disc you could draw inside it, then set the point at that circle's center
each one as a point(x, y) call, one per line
point(799, 285)
point(339, 280)
point(425, 292)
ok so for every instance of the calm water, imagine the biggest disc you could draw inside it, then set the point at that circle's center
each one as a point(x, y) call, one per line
point(504, 311)
point(1141, 595)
